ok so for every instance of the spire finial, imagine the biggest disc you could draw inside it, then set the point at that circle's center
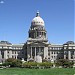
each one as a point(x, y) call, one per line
point(37, 14)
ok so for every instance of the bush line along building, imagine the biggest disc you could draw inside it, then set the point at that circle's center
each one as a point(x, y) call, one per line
point(37, 44)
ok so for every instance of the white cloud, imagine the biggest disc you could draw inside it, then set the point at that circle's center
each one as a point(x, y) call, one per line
point(1, 2)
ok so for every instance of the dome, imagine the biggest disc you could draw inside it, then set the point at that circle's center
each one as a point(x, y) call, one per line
point(37, 20)
point(70, 42)
point(5, 42)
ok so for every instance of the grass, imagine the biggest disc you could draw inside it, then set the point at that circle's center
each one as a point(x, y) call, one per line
point(23, 71)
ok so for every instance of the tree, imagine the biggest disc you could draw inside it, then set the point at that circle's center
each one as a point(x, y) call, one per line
point(65, 63)
point(13, 62)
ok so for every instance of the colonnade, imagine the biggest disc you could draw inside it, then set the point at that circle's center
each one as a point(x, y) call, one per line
point(37, 51)
point(37, 34)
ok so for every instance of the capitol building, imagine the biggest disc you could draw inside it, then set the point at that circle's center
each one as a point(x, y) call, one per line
point(37, 44)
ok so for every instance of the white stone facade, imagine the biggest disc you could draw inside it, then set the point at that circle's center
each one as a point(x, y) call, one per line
point(37, 44)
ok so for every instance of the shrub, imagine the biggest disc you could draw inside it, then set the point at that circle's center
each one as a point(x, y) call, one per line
point(29, 64)
point(13, 62)
point(65, 63)
point(44, 60)
point(37, 65)
point(46, 64)
point(26, 65)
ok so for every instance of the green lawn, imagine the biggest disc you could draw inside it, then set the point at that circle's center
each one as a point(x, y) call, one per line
point(23, 71)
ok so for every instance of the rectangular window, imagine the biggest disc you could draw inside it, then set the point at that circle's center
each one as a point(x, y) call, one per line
point(71, 57)
point(12, 52)
point(52, 57)
point(8, 51)
point(15, 52)
point(52, 52)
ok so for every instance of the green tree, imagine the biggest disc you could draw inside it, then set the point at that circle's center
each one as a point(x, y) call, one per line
point(13, 62)
point(65, 63)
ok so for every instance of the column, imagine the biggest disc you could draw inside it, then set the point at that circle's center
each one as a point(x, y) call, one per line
point(39, 50)
point(35, 51)
point(10, 54)
point(16, 56)
point(36, 33)
point(45, 52)
point(43, 34)
point(5, 54)
point(69, 55)
point(74, 55)
point(0, 55)
point(31, 52)
point(50, 55)
point(53, 55)
point(64, 55)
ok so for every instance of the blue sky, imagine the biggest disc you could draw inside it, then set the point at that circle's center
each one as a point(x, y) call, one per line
point(16, 17)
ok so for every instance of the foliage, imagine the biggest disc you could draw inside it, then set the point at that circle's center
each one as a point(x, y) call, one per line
point(0, 64)
point(65, 63)
point(44, 60)
point(37, 65)
point(31, 60)
point(13, 62)
point(29, 64)
point(46, 64)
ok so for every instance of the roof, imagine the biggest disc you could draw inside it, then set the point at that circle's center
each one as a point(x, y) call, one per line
point(70, 42)
point(5, 42)
point(37, 20)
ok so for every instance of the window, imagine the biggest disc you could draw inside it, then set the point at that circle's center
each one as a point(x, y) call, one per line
point(12, 52)
point(52, 57)
point(15, 52)
point(22, 52)
point(53, 48)
point(52, 52)
point(15, 57)
point(66, 57)
point(57, 52)
point(12, 56)
point(49, 53)
point(65, 47)
point(18, 52)
point(71, 57)
point(72, 52)
point(8, 51)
